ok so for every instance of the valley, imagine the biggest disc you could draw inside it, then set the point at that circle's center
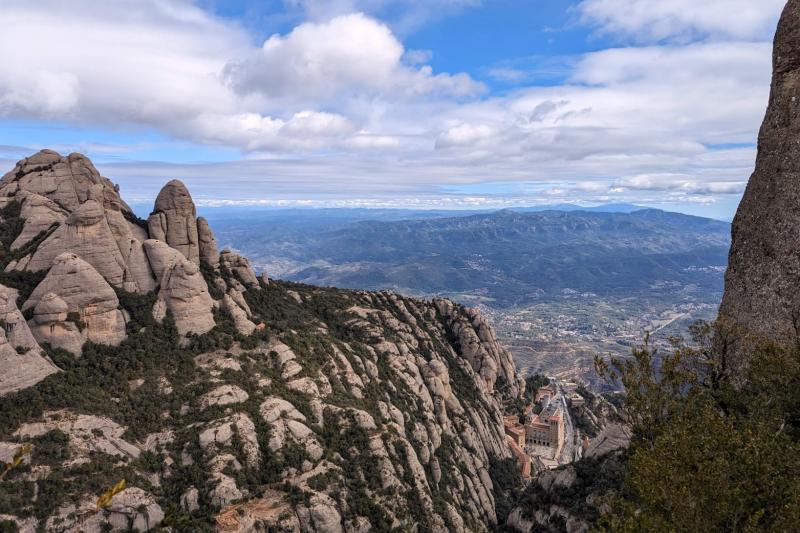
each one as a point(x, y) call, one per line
point(560, 284)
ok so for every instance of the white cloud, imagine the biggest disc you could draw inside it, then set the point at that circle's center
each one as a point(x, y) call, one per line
point(339, 101)
point(172, 66)
point(656, 20)
point(464, 135)
point(347, 56)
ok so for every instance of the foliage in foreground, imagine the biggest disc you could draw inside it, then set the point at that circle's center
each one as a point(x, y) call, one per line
point(713, 450)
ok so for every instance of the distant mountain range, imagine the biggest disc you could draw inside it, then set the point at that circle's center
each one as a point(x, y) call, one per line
point(504, 258)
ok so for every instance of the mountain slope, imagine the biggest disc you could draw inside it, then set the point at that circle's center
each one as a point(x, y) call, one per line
point(225, 401)
point(508, 258)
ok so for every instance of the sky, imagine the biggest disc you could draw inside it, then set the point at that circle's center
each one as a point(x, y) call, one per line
point(396, 103)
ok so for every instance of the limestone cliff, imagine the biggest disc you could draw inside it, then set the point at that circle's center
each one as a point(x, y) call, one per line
point(226, 401)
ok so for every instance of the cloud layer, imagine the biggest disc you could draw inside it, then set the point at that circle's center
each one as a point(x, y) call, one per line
point(338, 100)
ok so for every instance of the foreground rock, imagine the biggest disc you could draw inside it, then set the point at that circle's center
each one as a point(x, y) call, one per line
point(761, 299)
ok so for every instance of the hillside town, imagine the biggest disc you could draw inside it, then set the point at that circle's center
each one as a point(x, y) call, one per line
point(545, 436)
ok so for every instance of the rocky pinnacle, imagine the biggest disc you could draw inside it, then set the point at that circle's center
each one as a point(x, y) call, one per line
point(762, 284)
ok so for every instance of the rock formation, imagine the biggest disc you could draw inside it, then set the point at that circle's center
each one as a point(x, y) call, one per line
point(239, 266)
point(208, 243)
point(67, 181)
point(22, 363)
point(279, 406)
point(83, 213)
point(86, 233)
point(480, 347)
point(40, 214)
point(761, 298)
point(174, 220)
point(182, 291)
point(74, 282)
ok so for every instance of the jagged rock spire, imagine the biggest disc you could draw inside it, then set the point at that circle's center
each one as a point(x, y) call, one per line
point(762, 284)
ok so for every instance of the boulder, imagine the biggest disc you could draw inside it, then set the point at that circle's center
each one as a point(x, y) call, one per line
point(86, 294)
point(21, 370)
point(174, 220)
point(240, 266)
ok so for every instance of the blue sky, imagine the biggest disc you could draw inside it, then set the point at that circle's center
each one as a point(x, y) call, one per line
point(406, 103)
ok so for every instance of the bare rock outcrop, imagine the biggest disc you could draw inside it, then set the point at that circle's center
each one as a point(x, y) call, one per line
point(209, 253)
point(21, 368)
point(67, 181)
point(51, 324)
point(40, 214)
point(22, 363)
point(174, 220)
point(239, 266)
point(480, 347)
point(240, 317)
point(16, 329)
point(84, 214)
point(87, 234)
point(86, 294)
point(133, 509)
point(183, 291)
point(761, 299)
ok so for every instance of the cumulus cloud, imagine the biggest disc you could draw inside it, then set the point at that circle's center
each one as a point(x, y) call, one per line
point(338, 100)
point(657, 20)
point(349, 55)
point(171, 66)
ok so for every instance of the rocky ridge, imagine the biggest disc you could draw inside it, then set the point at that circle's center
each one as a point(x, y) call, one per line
point(135, 349)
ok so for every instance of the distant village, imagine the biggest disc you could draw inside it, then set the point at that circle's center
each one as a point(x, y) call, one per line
point(544, 437)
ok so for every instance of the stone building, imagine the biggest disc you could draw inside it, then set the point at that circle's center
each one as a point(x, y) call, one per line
point(547, 391)
point(546, 428)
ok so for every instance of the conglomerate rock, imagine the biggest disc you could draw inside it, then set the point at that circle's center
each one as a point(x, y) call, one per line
point(86, 294)
point(340, 411)
point(208, 243)
point(761, 298)
point(183, 291)
point(174, 220)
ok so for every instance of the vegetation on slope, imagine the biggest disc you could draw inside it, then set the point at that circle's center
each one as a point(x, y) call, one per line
point(711, 451)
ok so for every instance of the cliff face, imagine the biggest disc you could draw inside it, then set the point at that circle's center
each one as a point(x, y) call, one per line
point(761, 285)
point(136, 350)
